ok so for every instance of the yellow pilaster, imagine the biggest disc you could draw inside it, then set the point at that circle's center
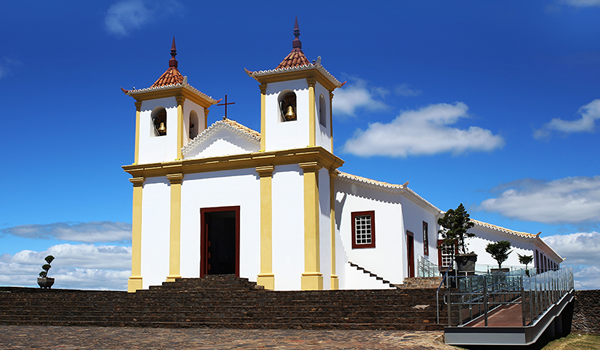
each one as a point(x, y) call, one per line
point(138, 110)
point(312, 279)
point(335, 283)
point(331, 119)
point(135, 280)
point(263, 118)
point(180, 100)
point(266, 277)
point(175, 234)
point(206, 118)
point(311, 111)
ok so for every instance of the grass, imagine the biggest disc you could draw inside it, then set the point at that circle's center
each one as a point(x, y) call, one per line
point(575, 342)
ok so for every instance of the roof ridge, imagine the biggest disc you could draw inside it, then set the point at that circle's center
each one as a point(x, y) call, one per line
point(236, 127)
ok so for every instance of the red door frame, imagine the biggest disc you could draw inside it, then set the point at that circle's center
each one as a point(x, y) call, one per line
point(204, 238)
point(410, 253)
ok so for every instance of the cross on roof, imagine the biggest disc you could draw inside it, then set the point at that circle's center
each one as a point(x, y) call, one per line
point(225, 104)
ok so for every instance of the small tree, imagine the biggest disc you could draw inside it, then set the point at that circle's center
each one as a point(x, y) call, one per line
point(453, 228)
point(525, 259)
point(46, 267)
point(499, 251)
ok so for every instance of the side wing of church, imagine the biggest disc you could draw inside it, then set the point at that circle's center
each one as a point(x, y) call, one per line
point(273, 206)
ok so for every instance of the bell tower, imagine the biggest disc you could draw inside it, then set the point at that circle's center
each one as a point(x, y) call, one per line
point(296, 102)
point(169, 114)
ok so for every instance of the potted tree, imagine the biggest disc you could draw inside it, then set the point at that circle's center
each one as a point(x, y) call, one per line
point(525, 259)
point(454, 226)
point(499, 251)
point(44, 281)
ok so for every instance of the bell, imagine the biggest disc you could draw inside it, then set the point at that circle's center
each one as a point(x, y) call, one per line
point(290, 114)
point(162, 130)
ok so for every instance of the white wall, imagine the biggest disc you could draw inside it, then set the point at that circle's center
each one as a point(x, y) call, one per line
point(414, 216)
point(387, 258)
point(291, 134)
point(357, 279)
point(222, 142)
point(288, 226)
point(221, 189)
point(189, 106)
point(156, 211)
point(158, 148)
point(323, 133)
point(325, 228)
point(484, 236)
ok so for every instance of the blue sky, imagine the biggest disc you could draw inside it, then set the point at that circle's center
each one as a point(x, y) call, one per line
point(492, 104)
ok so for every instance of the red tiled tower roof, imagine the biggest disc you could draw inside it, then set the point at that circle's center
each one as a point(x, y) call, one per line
point(172, 76)
point(296, 58)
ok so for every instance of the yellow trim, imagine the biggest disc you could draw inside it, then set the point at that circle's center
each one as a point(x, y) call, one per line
point(180, 101)
point(311, 112)
point(206, 118)
point(321, 156)
point(331, 119)
point(263, 118)
point(266, 277)
point(174, 92)
point(135, 280)
point(175, 234)
point(138, 111)
point(335, 284)
point(296, 75)
point(312, 279)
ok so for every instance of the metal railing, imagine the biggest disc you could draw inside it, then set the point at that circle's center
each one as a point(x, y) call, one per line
point(425, 268)
point(476, 296)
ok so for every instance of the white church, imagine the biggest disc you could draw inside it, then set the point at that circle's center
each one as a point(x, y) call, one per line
point(273, 206)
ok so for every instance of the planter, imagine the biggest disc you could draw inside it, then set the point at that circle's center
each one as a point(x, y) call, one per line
point(45, 282)
point(466, 263)
point(500, 271)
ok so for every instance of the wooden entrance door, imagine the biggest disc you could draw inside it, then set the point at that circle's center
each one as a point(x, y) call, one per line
point(410, 253)
point(220, 241)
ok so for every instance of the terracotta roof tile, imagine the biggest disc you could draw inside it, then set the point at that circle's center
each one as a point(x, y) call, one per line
point(296, 58)
point(171, 77)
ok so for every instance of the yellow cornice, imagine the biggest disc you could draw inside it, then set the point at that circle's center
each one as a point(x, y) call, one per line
point(177, 92)
point(317, 156)
point(312, 74)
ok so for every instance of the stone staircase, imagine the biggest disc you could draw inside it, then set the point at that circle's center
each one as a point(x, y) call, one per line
point(420, 282)
point(222, 301)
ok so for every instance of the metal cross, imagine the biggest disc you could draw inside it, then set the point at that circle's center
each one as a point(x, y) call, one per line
point(225, 104)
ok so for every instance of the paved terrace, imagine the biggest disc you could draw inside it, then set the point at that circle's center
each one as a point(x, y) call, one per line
point(53, 337)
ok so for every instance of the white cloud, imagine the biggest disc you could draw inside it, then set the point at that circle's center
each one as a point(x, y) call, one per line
point(75, 266)
point(582, 3)
point(578, 248)
point(407, 90)
point(88, 232)
point(568, 200)
point(355, 96)
point(128, 15)
point(589, 114)
point(587, 277)
point(426, 131)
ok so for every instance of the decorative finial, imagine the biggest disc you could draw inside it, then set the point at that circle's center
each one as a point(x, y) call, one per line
point(297, 44)
point(173, 61)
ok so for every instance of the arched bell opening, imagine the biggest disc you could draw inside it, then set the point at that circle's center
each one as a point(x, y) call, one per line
point(193, 124)
point(287, 105)
point(159, 121)
point(322, 111)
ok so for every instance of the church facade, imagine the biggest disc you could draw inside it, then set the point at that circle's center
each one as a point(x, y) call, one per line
point(273, 206)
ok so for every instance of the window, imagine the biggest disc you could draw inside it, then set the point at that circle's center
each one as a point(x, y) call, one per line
point(287, 105)
point(425, 239)
point(363, 229)
point(193, 125)
point(445, 254)
point(322, 111)
point(159, 121)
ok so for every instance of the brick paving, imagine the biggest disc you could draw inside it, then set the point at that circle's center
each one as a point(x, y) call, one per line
point(54, 337)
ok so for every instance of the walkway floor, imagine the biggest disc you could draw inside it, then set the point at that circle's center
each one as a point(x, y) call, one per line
point(505, 316)
point(41, 337)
